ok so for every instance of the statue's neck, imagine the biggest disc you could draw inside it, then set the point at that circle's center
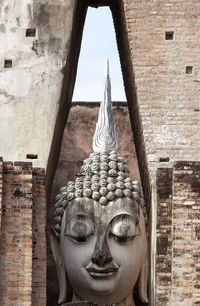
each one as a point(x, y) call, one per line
point(128, 301)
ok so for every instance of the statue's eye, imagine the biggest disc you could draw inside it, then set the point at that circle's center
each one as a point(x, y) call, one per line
point(124, 228)
point(80, 228)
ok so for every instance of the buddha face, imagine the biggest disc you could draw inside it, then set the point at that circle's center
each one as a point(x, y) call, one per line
point(103, 248)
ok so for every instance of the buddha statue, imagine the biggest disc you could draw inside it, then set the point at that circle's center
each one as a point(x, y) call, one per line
point(99, 239)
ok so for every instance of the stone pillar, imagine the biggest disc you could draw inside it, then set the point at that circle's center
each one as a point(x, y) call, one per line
point(163, 271)
point(39, 238)
point(1, 171)
point(178, 235)
point(22, 234)
point(16, 235)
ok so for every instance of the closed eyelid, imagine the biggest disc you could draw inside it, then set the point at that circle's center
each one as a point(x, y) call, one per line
point(116, 226)
point(82, 221)
point(124, 214)
point(76, 215)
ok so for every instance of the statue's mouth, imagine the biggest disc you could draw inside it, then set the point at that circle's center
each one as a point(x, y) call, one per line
point(102, 272)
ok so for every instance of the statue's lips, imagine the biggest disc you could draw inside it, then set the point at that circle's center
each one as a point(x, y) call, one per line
point(95, 272)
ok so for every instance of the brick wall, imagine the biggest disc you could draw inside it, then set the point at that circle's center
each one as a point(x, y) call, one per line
point(39, 239)
point(1, 172)
point(167, 96)
point(178, 238)
point(18, 252)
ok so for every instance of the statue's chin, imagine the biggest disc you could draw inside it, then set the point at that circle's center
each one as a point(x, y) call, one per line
point(102, 299)
point(97, 288)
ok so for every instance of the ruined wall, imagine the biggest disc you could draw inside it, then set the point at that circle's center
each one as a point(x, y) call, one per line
point(39, 268)
point(1, 181)
point(178, 239)
point(22, 252)
point(16, 235)
point(163, 39)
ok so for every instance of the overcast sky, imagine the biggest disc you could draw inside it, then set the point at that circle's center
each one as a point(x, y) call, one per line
point(98, 44)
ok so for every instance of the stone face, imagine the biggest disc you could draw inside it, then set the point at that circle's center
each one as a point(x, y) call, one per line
point(100, 244)
point(178, 243)
point(23, 241)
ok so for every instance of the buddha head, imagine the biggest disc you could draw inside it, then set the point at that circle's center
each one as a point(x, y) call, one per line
point(99, 239)
point(100, 244)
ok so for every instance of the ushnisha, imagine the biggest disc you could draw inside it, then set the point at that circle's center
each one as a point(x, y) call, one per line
point(103, 178)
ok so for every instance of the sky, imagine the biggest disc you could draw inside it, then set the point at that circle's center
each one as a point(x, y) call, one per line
point(98, 44)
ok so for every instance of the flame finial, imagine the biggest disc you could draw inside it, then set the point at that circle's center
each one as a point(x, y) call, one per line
point(105, 138)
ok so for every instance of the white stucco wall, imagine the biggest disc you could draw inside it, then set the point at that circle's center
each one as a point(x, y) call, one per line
point(30, 90)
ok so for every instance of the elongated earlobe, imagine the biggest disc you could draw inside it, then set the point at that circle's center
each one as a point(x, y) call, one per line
point(59, 267)
point(143, 281)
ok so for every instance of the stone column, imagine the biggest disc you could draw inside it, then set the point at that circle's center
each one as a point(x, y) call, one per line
point(23, 241)
point(178, 235)
point(1, 171)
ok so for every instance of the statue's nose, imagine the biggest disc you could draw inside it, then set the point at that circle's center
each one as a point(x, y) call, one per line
point(101, 254)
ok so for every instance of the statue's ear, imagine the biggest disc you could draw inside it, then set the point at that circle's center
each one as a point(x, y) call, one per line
point(143, 281)
point(59, 266)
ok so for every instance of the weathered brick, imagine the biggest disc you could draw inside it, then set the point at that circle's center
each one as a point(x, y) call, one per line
point(180, 263)
point(23, 240)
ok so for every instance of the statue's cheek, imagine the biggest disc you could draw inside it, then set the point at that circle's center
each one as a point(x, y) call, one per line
point(77, 254)
point(126, 254)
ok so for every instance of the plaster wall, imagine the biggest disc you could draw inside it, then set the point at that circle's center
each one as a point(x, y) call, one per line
point(30, 89)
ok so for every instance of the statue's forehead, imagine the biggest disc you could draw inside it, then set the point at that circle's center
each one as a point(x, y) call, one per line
point(105, 213)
